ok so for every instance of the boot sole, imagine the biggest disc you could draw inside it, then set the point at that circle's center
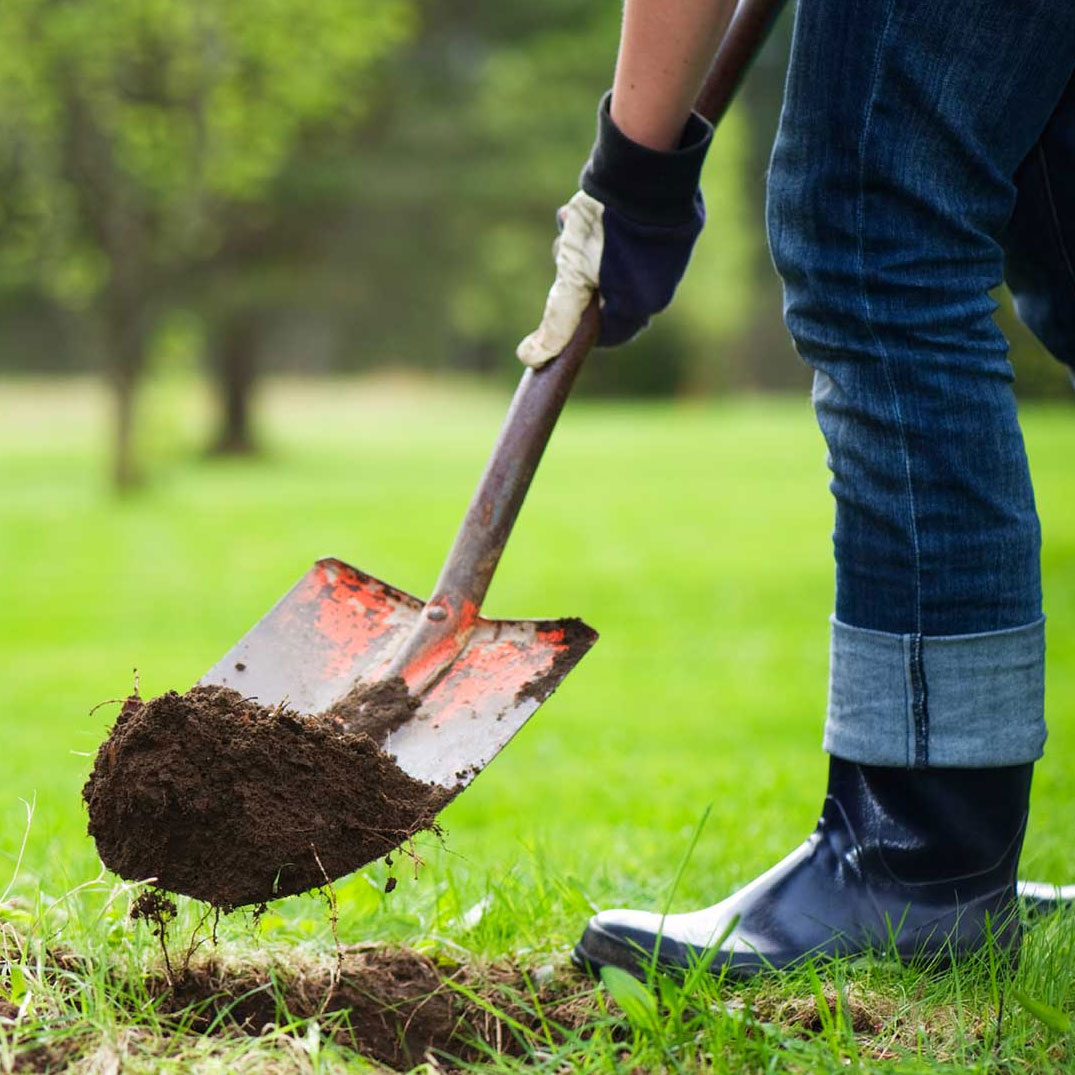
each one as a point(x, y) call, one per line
point(598, 948)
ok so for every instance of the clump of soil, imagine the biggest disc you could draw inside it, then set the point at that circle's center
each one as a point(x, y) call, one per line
point(154, 906)
point(374, 709)
point(232, 803)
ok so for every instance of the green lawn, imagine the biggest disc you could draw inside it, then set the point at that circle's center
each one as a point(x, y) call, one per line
point(695, 538)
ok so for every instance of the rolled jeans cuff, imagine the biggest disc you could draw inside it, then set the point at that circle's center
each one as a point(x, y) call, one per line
point(949, 701)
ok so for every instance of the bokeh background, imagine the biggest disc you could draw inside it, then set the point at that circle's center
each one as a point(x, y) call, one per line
point(227, 191)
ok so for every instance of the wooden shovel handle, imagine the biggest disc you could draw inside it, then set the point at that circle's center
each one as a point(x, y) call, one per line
point(533, 413)
point(742, 41)
point(464, 580)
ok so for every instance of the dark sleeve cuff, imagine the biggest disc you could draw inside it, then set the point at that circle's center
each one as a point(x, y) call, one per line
point(644, 184)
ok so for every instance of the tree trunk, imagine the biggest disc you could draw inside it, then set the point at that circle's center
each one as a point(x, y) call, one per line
point(125, 473)
point(125, 341)
point(118, 220)
point(236, 348)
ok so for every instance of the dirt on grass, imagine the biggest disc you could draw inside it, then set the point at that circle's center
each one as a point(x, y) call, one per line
point(230, 802)
point(391, 1005)
point(42, 1056)
point(797, 1013)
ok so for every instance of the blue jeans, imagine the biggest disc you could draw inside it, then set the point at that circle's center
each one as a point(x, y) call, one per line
point(926, 151)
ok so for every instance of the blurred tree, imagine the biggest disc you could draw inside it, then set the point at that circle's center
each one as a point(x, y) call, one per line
point(760, 355)
point(137, 135)
point(491, 118)
point(235, 357)
point(390, 204)
point(1037, 373)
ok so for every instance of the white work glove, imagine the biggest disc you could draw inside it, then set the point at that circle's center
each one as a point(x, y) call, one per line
point(628, 234)
point(578, 252)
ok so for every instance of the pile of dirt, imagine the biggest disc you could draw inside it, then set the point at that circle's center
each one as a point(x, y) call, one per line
point(232, 803)
point(391, 1005)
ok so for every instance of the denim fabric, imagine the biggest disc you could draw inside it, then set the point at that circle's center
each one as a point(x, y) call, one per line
point(919, 144)
point(974, 683)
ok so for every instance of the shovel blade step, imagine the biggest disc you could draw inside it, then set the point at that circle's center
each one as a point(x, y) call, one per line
point(338, 626)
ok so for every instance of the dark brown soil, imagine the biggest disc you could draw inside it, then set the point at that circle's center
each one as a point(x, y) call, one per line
point(391, 1005)
point(45, 1059)
point(374, 709)
point(222, 799)
point(152, 905)
point(579, 638)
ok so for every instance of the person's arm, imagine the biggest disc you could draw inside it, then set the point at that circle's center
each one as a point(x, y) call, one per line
point(628, 233)
point(665, 50)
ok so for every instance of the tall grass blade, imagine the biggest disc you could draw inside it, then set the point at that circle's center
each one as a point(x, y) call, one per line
point(637, 1002)
point(1052, 1017)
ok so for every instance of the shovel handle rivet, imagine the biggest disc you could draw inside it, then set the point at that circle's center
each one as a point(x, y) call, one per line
point(436, 613)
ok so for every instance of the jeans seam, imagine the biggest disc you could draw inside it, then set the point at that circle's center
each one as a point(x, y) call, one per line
point(1058, 233)
point(908, 701)
point(919, 707)
point(918, 683)
point(985, 696)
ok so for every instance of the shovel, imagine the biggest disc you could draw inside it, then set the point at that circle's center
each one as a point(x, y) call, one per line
point(478, 680)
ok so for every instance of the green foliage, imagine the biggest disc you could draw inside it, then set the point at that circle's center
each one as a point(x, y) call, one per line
point(717, 297)
point(170, 112)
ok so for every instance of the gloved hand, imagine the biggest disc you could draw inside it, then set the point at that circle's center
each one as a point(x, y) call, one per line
point(628, 234)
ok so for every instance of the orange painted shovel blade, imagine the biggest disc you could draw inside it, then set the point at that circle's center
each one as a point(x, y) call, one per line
point(338, 626)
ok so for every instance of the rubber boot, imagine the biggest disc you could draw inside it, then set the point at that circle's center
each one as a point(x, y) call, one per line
point(906, 862)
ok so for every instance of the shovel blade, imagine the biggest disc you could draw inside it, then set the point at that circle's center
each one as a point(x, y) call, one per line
point(339, 626)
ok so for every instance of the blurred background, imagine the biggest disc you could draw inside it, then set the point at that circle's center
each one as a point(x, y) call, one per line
point(222, 191)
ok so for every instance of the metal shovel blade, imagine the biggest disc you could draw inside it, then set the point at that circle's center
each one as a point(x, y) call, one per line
point(339, 626)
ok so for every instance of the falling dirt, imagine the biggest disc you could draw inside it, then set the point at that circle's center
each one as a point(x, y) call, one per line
point(224, 800)
point(152, 905)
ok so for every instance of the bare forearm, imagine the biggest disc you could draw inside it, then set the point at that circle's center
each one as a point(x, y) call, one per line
point(665, 49)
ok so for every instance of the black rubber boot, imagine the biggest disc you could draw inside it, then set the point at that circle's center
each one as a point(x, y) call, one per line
point(909, 862)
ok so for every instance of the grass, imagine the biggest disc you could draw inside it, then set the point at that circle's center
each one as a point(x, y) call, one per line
point(693, 537)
